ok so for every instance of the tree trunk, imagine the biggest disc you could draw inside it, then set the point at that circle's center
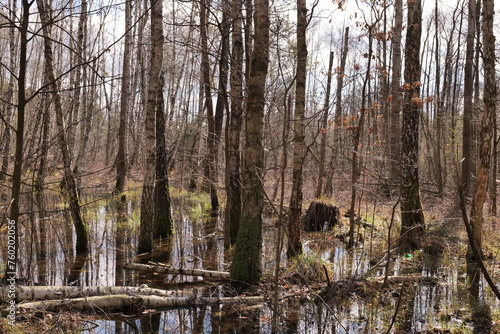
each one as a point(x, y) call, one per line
point(324, 126)
point(134, 301)
point(163, 225)
point(468, 105)
point(299, 149)
point(412, 216)
point(166, 269)
point(356, 140)
point(210, 169)
point(154, 88)
point(13, 225)
point(338, 115)
point(69, 180)
point(395, 125)
point(235, 120)
point(8, 108)
point(486, 135)
point(438, 153)
point(121, 158)
point(246, 265)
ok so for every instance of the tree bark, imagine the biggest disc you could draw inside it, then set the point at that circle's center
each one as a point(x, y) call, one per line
point(486, 136)
point(294, 244)
point(395, 119)
point(412, 216)
point(235, 122)
point(211, 165)
point(121, 158)
point(163, 224)
point(12, 256)
point(468, 105)
point(246, 265)
point(136, 301)
point(338, 115)
point(324, 126)
point(178, 271)
point(154, 88)
point(69, 179)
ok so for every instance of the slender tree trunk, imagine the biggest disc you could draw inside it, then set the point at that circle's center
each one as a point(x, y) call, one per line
point(7, 108)
point(412, 216)
point(294, 244)
point(338, 115)
point(69, 179)
point(324, 126)
point(121, 158)
point(246, 265)
point(210, 169)
point(438, 153)
point(395, 121)
point(154, 88)
point(235, 122)
point(12, 258)
point(486, 136)
point(468, 105)
point(355, 165)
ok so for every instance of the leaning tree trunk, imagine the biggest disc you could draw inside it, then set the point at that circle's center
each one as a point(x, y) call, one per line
point(294, 244)
point(412, 215)
point(246, 265)
point(486, 135)
point(155, 73)
point(69, 179)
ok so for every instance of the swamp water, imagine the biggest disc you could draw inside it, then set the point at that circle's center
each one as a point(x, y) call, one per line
point(47, 258)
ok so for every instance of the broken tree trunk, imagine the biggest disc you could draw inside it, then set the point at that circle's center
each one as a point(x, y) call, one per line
point(320, 216)
point(60, 292)
point(163, 268)
point(137, 301)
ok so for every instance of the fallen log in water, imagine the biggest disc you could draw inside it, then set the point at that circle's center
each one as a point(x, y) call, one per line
point(60, 292)
point(163, 268)
point(135, 301)
point(407, 279)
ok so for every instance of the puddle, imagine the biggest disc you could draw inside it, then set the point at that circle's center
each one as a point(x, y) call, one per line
point(198, 244)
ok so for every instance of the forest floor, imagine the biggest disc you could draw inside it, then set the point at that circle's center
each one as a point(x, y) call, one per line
point(323, 276)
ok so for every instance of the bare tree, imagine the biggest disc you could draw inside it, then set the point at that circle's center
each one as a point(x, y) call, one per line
point(486, 138)
point(412, 216)
point(233, 130)
point(299, 148)
point(246, 265)
point(121, 158)
point(69, 179)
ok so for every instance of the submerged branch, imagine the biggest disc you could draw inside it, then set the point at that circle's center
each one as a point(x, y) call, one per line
point(163, 268)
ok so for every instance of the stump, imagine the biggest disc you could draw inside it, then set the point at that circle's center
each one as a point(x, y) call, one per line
point(320, 217)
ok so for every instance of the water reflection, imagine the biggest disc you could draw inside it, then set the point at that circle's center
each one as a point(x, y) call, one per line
point(198, 244)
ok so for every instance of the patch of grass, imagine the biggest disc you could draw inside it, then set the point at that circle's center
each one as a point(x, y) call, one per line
point(308, 268)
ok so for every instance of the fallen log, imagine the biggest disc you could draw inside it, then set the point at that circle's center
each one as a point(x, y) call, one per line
point(136, 301)
point(166, 269)
point(32, 293)
point(407, 279)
